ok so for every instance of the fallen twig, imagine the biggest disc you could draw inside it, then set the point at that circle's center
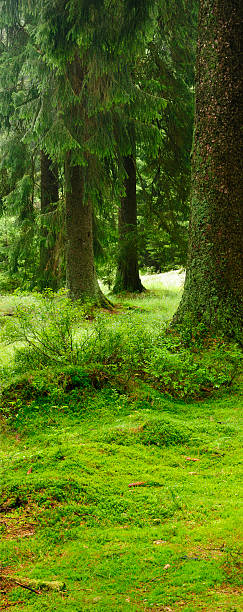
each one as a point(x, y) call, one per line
point(24, 586)
point(137, 484)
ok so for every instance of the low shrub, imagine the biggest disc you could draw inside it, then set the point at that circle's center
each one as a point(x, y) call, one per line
point(184, 373)
point(123, 341)
point(162, 359)
point(8, 283)
point(47, 384)
point(46, 328)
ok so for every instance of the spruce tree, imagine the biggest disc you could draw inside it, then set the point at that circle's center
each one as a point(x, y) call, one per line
point(85, 44)
point(18, 107)
point(213, 297)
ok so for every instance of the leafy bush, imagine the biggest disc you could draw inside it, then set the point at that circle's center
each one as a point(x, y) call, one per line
point(184, 373)
point(161, 358)
point(8, 283)
point(123, 341)
point(47, 328)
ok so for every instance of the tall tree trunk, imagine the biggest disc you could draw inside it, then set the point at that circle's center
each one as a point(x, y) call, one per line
point(81, 276)
point(80, 268)
point(49, 195)
point(213, 295)
point(127, 277)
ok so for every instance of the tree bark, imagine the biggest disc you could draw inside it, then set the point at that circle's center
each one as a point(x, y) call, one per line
point(80, 268)
point(127, 277)
point(81, 276)
point(49, 195)
point(213, 295)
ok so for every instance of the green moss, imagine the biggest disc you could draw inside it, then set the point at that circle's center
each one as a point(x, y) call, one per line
point(145, 523)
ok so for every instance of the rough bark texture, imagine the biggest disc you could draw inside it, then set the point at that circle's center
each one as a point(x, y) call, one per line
point(49, 195)
point(213, 295)
point(80, 269)
point(127, 277)
point(81, 276)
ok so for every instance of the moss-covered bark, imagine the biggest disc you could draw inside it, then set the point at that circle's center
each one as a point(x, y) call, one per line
point(127, 277)
point(49, 195)
point(81, 276)
point(213, 295)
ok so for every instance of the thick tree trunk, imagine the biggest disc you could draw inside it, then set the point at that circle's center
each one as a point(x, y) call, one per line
point(49, 195)
point(81, 276)
point(127, 277)
point(213, 295)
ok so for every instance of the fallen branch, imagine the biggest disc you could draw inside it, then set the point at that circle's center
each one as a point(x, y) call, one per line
point(36, 585)
point(13, 603)
point(24, 586)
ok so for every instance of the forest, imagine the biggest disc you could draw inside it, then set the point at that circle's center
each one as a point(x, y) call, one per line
point(121, 305)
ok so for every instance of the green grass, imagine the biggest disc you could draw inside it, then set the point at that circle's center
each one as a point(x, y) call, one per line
point(69, 514)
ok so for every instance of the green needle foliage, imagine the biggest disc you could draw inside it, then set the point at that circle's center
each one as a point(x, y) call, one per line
point(164, 179)
point(78, 86)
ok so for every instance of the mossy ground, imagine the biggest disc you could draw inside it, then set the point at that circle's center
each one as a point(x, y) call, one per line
point(72, 510)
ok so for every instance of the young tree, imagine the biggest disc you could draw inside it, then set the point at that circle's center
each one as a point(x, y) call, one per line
point(213, 295)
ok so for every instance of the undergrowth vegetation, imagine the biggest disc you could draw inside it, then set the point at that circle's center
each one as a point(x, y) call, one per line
point(120, 457)
point(52, 331)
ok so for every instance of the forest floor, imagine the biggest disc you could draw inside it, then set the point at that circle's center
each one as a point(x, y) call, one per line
point(127, 497)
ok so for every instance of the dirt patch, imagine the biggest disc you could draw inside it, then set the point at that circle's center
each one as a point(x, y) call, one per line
point(19, 523)
point(220, 598)
point(206, 553)
point(12, 530)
